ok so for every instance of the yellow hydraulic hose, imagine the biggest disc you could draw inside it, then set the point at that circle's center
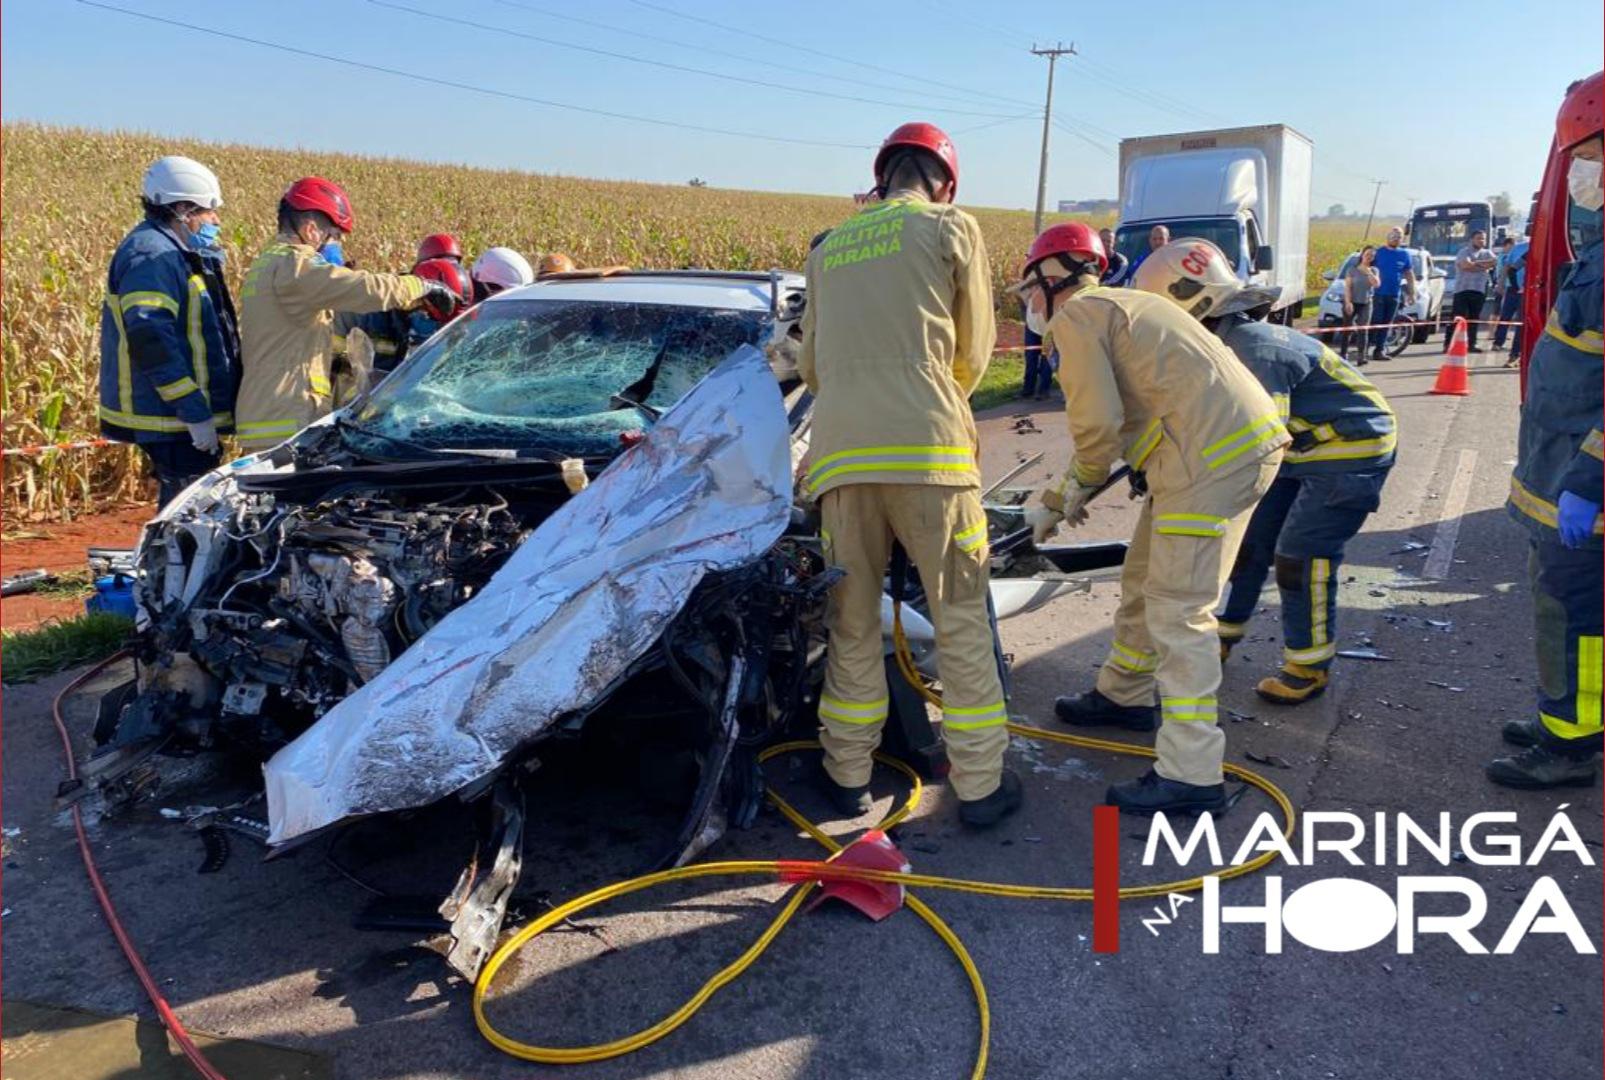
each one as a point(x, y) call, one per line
point(791, 869)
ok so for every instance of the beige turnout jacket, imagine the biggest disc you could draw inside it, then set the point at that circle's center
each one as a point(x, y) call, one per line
point(1145, 382)
point(286, 311)
point(896, 335)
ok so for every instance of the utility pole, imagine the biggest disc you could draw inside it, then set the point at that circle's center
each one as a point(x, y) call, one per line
point(1412, 207)
point(1053, 55)
point(1374, 196)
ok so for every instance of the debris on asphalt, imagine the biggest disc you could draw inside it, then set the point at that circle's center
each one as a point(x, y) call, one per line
point(1362, 654)
point(1384, 702)
point(1446, 686)
point(1240, 716)
point(1273, 760)
point(1411, 545)
point(1474, 997)
point(1024, 425)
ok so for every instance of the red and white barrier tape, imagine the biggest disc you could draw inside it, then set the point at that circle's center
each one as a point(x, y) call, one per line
point(34, 451)
point(1415, 325)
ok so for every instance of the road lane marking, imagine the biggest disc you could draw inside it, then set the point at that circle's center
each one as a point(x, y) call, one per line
point(1442, 555)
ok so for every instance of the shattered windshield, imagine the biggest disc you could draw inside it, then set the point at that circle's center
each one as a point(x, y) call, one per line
point(553, 375)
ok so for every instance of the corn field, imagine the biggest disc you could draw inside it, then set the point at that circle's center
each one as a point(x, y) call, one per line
point(71, 195)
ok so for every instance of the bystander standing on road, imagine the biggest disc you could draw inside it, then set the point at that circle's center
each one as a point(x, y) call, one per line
point(1358, 285)
point(1474, 264)
point(1512, 278)
point(1395, 278)
point(1118, 263)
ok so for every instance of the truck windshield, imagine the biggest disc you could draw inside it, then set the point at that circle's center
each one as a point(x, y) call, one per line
point(1444, 230)
point(1132, 240)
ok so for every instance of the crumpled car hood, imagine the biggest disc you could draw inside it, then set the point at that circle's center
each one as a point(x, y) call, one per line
point(556, 628)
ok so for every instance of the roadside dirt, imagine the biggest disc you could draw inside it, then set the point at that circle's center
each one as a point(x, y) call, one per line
point(62, 547)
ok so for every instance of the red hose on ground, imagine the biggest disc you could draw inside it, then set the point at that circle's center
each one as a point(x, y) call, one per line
point(170, 1019)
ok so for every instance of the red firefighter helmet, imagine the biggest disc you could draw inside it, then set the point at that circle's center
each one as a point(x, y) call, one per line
point(440, 245)
point(1075, 239)
point(454, 277)
point(1579, 116)
point(924, 137)
point(316, 193)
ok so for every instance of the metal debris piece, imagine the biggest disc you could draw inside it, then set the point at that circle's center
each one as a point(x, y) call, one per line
point(1274, 760)
point(1239, 716)
point(1446, 686)
point(1362, 654)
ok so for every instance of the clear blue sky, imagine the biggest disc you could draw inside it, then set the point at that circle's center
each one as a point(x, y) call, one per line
point(1443, 99)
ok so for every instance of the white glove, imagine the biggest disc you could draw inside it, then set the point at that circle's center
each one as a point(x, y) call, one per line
point(1044, 522)
point(1069, 502)
point(204, 436)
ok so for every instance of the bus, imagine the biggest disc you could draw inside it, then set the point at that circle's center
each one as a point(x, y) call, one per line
point(1444, 228)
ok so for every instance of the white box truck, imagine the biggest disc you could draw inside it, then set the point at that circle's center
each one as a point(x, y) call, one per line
point(1245, 189)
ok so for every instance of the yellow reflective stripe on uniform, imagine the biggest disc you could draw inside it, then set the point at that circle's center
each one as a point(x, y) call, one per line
point(1320, 584)
point(1297, 424)
point(1144, 444)
point(383, 347)
point(320, 384)
point(1265, 430)
point(894, 453)
point(1180, 708)
point(1594, 445)
point(1284, 405)
point(263, 428)
point(1190, 525)
point(970, 539)
point(168, 424)
point(1542, 510)
point(147, 299)
point(125, 368)
point(1342, 450)
point(1588, 341)
point(197, 340)
point(848, 712)
point(971, 719)
point(1087, 475)
point(888, 466)
point(1316, 655)
point(1125, 657)
point(1590, 682)
point(1229, 631)
point(177, 388)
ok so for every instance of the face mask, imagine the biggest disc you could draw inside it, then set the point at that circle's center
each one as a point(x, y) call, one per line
point(1583, 183)
point(205, 236)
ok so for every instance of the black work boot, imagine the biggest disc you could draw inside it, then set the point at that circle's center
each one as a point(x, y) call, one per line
point(1540, 767)
point(985, 812)
point(1150, 793)
point(1523, 733)
point(846, 801)
point(1092, 709)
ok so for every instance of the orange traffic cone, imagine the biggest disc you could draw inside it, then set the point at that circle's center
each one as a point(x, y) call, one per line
point(1452, 374)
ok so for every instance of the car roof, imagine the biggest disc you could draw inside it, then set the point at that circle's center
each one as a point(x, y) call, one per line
point(737, 290)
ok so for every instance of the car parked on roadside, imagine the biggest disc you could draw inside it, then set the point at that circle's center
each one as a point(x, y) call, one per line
point(1415, 322)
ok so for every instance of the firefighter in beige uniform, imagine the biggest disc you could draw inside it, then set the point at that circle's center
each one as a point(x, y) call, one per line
point(1146, 382)
point(897, 333)
point(286, 314)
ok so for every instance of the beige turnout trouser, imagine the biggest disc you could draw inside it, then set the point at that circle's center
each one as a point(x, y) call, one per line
point(944, 531)
point(1165, 634)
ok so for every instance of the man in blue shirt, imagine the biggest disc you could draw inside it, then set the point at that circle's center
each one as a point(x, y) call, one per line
point(1397, 277)
point(1512, 278)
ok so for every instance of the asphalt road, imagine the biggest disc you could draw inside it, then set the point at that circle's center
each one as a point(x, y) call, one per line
point(265, 950)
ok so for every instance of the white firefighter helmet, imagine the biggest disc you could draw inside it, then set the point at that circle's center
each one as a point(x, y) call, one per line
point(1197, 275)
point(502, 267)
point(175, 179)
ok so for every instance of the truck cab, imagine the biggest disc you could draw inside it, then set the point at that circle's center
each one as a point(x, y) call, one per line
point(1246, 190)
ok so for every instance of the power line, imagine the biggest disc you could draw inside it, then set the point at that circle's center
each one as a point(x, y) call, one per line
point(1065, 127)
point(492, 28)
point(993, 124)
point(470, 87)
point(725, 54)
point(923, 80)
point(1119, 82)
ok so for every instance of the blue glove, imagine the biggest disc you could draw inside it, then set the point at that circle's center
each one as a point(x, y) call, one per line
point(1576, 519)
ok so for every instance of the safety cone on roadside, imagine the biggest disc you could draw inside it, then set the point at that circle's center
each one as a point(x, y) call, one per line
point(1452, 378)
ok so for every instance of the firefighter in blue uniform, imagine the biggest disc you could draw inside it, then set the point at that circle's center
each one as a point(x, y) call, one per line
point(1344, 436)
point(169, 340)
point(1555, 491)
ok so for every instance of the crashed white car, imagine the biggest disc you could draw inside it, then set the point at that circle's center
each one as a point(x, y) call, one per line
point(575, 505)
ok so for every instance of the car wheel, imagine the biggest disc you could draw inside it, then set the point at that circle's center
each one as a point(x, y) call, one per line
point(1400, 334)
